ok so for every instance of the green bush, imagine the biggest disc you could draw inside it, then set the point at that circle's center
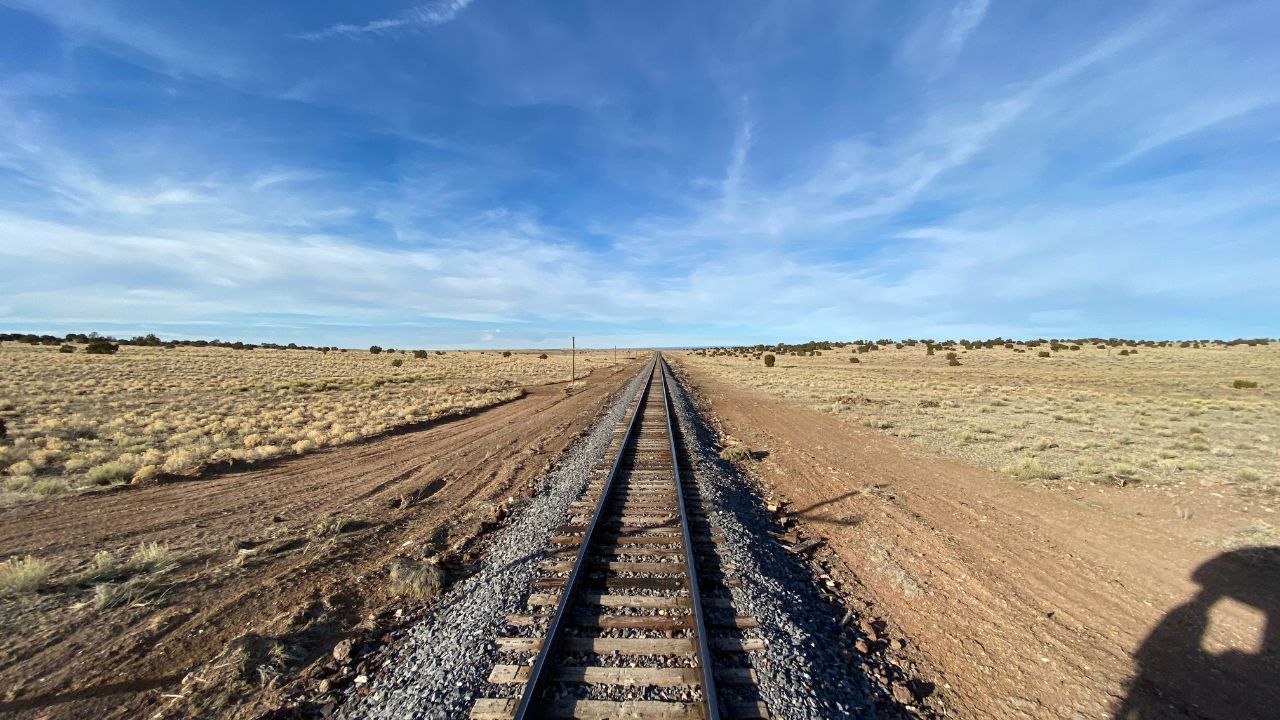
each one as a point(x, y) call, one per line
point(543, 356)
point(397, 362)
point(112, 473)
point(420, 354)
point(1044, 353)
point(1244, 384)
point(928, 349)
point(101, 347)
point(768, 360)
point(854, 360)
point(953, 362)
point(506, 353)
point(67, 349)
point(375, 349)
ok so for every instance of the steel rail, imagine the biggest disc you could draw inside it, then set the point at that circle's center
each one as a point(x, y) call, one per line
point(538, 676)
point(695, 597)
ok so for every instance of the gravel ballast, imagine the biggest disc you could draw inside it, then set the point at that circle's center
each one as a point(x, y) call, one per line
point(440, 667)
point(808, 669)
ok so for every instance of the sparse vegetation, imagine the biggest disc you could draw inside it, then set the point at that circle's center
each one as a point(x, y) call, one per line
point(1170, 419)
point(101, 347)
point(112, 473)
point(1030, 468)
point(736, 452)
point(1244, 384)
point(75, 421)
point(769, 360)
point(23, 575)
point(416, 579)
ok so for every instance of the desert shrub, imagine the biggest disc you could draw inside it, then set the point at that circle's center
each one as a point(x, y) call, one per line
point(101, 347)
point(375, 349)
point(1124, 352)
point(543, 356)
point(768, 360)
point(736, 452)
point(953, 362)
point(1031, 469)
point(951, 356)
point(928, 349)
point(1045, 353)
point(1244, 384)
point(22, 575)
point(67, 349)
point(854, 360)
point(416, 579)
point(112, 473)
point(506, 353)
point(48, 486)
point(420, 354)
point(1249, 475)
point(397, 362)
point(22, 467)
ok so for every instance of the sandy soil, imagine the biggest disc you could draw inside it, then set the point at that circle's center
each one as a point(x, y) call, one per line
point(1019, 601)
point(277, 564)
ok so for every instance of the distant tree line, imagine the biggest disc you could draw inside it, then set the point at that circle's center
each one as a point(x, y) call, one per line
point(150, 340)
point(816, 347)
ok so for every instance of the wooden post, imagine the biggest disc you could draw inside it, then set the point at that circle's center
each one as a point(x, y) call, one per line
point(573, 359)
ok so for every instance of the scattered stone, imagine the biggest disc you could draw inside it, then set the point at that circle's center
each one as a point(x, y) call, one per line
point(342, 651)
point(902, 694)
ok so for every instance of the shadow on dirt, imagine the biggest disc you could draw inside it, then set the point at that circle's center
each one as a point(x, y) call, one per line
point(1178, 678)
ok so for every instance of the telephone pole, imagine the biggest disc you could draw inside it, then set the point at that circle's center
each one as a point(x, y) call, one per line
point(573, 359)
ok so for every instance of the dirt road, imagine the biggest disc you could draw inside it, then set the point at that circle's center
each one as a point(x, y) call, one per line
point(277, 564)
point(1021, 602)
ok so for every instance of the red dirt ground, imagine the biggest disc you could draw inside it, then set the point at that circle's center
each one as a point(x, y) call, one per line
point(266, 565)
point(1025, 602)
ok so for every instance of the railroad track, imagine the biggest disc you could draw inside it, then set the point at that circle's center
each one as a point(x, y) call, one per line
point(632, 615)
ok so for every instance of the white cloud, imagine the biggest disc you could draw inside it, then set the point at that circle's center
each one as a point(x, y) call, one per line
point(422, 16)
point(965, 17)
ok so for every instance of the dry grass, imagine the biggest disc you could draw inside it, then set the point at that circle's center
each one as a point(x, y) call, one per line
point(22, 575)
point(76, 420)
point(416, 579)
point(1161, 416)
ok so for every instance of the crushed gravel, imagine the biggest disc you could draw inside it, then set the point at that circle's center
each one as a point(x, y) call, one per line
point(808, 668)
point(442, 665)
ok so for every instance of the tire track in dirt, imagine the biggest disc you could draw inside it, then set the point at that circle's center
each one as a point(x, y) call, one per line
point(67, 659)
point(1020, 602)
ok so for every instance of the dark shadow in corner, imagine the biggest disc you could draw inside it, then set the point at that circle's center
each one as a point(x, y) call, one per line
point(1178, 678)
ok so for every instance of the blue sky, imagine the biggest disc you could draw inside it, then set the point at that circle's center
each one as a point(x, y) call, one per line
point(491, 173)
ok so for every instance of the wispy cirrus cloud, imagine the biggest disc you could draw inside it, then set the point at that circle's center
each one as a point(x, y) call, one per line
point(965, 17)
point(421, 16)
point(634, 177)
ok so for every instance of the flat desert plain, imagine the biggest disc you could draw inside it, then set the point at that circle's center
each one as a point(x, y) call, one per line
point(1080, 535)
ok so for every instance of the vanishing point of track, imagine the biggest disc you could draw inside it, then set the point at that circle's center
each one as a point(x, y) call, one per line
point(632, 615)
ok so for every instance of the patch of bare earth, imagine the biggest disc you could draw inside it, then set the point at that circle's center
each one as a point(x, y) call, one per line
point(1022, 601)
point(260, 574)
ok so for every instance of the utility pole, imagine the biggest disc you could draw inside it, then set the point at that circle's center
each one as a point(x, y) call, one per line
point(573, 359)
